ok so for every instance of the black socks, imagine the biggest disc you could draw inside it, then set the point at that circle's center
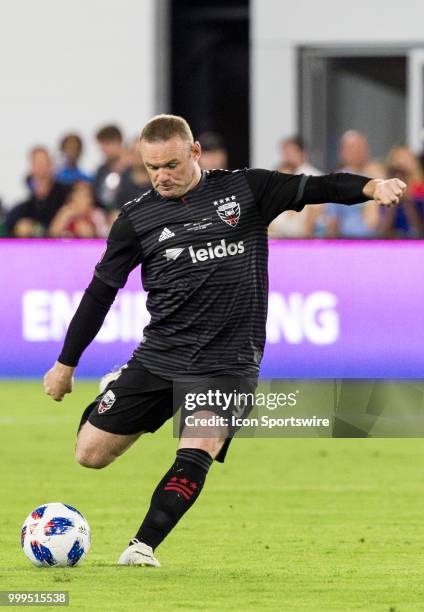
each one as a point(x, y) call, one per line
point(174, 495)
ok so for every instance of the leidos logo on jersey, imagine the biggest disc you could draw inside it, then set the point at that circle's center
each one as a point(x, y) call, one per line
point(216, 252)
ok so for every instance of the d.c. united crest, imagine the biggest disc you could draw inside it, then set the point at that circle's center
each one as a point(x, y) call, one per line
point(106, 402)
point(228, 210)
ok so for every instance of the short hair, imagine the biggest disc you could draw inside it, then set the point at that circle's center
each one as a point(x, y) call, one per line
point(109, 132)
point(163, 127)
point(297, 141)
point(68, 137)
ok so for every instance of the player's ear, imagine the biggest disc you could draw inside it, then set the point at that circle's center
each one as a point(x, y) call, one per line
point(196, 150)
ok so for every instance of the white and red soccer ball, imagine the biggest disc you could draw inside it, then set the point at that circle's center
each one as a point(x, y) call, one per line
point(55, 535)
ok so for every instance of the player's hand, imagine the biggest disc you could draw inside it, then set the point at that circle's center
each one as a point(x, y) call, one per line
point(388, 192)
point(58, 381)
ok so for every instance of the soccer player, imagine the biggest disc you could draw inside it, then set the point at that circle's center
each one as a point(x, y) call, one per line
point(201, 238)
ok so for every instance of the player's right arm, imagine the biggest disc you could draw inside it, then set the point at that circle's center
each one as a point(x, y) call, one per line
point(122, 255)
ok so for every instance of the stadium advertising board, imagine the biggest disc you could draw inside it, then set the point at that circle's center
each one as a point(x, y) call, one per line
point(336, 309)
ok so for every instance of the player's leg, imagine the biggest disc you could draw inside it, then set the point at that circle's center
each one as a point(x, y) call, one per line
point(96, 448)
point(128, 406)
point(181, 485)
point(176, 492)
point(209, 439)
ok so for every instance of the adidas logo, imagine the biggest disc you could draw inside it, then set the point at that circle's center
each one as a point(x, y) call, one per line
point(166, 233)
point(173, 254)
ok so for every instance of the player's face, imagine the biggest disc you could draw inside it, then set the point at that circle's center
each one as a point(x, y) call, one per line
point(172, 165)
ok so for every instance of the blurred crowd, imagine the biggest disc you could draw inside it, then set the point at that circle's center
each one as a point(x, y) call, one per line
point(65, 201)
point(365, 220)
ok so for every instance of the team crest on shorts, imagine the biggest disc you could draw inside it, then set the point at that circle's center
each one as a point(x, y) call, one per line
point(106, 402)
point(228, 210)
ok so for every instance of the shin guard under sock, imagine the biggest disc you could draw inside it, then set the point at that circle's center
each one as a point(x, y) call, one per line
point(174, 495)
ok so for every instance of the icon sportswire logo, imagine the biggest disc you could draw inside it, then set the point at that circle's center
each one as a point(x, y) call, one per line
point(166, 233)
point(173, 254)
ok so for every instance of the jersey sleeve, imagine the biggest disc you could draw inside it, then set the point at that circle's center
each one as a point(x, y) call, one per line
point(87, 321)
point(123, 253)
point(276, 192)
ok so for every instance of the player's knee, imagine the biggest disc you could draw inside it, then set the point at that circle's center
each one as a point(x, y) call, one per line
point(92, 458)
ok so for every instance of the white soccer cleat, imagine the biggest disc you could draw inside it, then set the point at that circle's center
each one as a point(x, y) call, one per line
point(110, 377)
point(138, 554)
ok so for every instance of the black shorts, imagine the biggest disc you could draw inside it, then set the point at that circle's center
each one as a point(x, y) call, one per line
point(139, 401)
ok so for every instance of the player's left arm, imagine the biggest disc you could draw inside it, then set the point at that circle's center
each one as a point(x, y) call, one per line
point(276, 192)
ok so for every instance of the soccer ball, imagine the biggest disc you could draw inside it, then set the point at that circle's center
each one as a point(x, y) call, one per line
point(55, 535)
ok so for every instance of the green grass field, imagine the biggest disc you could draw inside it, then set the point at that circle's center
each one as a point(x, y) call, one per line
point(292, 525)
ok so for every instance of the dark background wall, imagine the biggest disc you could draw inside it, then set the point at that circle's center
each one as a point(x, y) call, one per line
point(209, 62)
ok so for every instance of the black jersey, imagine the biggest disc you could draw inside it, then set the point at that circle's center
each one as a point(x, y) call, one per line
point(204, 266)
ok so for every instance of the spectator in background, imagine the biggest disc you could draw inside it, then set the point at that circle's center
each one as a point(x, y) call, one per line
point(32, 217)
point(134, 180)
point(407, 221)
point(403, 158)
point(108, 175)
point(79, 217)
point(310, 221)
point(348, 221)
point(295, 159)
point(214, 152)
point(71, 150)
